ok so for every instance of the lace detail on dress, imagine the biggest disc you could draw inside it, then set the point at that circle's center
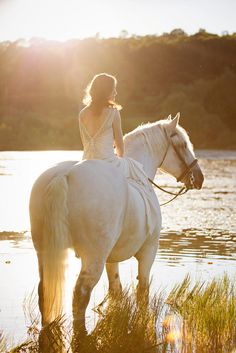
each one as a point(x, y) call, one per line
point(100, 145)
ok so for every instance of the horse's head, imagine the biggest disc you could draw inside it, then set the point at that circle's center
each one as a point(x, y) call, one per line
point(179, 158)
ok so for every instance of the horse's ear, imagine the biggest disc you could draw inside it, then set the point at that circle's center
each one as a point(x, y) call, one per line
point(178, 116)
point(169, 117)
point(174, 122)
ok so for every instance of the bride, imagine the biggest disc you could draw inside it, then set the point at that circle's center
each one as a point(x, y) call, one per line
point(100, 130)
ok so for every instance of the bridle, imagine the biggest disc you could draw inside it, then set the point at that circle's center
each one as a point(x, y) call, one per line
point(187, 170)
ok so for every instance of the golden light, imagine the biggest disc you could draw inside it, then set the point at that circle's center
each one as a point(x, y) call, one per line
point(173, 336)
point(62, 20)
point(56, 19)
point(17, 180)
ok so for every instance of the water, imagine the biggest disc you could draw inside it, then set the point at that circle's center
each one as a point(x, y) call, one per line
point(198, 236)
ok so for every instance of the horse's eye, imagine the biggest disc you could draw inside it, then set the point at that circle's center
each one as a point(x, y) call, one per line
point(185, 144)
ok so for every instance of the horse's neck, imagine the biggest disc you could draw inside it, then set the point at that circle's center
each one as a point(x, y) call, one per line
point(140, 154)
point(148, 148)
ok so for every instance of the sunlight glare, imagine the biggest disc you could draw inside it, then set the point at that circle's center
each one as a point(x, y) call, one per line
point(17, 180)
point(56, 19)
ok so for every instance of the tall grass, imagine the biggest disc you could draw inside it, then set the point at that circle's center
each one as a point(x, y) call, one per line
point(198, 318)
point(208, 315)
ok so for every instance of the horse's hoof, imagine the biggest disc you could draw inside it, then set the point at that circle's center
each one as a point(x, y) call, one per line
point(79, 339)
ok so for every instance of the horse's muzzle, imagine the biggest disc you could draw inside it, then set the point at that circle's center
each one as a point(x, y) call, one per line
point(195, 178)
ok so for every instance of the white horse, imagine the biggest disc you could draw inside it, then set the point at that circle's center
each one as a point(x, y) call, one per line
point(91, 208)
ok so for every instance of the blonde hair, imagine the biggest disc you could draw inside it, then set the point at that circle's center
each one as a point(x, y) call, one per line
point(98, 92)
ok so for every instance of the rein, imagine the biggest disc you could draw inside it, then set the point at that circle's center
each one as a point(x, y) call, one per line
point(188, 169)
point(182, 191)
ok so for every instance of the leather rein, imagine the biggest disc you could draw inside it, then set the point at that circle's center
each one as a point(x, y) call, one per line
point(187, 170)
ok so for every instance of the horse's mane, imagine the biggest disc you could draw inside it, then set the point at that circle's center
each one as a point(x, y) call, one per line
point(150, 130)
point(142, 128)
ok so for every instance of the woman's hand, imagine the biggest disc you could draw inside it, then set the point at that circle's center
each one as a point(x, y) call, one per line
point(118, 135)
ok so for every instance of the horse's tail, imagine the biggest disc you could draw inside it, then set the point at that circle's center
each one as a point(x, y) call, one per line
point(56, 242)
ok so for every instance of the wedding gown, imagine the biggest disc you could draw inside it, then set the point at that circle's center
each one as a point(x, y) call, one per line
point(100, 146)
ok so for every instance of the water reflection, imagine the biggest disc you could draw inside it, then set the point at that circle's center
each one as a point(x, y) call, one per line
point(193, 243)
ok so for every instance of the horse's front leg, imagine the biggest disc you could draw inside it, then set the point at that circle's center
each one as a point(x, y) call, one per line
point(113, 275)
point(145, 257)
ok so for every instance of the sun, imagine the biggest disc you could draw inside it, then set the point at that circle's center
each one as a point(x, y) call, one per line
point(55, 19)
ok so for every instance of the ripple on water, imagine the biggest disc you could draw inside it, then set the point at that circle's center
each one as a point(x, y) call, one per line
point(196, 243)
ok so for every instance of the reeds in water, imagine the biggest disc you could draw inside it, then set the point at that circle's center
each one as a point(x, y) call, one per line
point(191, 319)
point(208, 315)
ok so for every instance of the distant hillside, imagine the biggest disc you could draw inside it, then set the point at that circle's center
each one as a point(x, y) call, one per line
point(42, 82)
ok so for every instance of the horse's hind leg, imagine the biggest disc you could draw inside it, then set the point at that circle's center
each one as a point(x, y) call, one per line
point(90, 274)
point(145, 257)
point(113, 278)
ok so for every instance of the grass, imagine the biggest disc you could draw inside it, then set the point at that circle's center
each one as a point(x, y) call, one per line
point(198, 318)
point(208, 314)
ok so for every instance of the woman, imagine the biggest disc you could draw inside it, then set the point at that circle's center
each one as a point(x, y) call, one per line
point(100, 127)
point(100, 130)
point(100, 106)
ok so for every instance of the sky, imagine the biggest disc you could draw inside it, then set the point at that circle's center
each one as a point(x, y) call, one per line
point(66, 19)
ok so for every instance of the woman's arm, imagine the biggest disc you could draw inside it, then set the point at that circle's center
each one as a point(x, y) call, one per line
point(118, 135)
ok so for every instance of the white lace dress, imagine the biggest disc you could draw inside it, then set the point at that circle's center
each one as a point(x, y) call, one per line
point(100, 146)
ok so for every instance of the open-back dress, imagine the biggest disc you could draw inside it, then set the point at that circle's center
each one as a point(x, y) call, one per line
point(100, 146)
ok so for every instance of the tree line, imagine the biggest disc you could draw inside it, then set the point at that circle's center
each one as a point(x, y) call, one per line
point(42, 85)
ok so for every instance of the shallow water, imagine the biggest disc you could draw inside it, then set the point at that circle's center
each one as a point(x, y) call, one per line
point(198, 236)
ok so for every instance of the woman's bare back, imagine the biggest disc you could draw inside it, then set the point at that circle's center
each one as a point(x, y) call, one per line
point(93, 123)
